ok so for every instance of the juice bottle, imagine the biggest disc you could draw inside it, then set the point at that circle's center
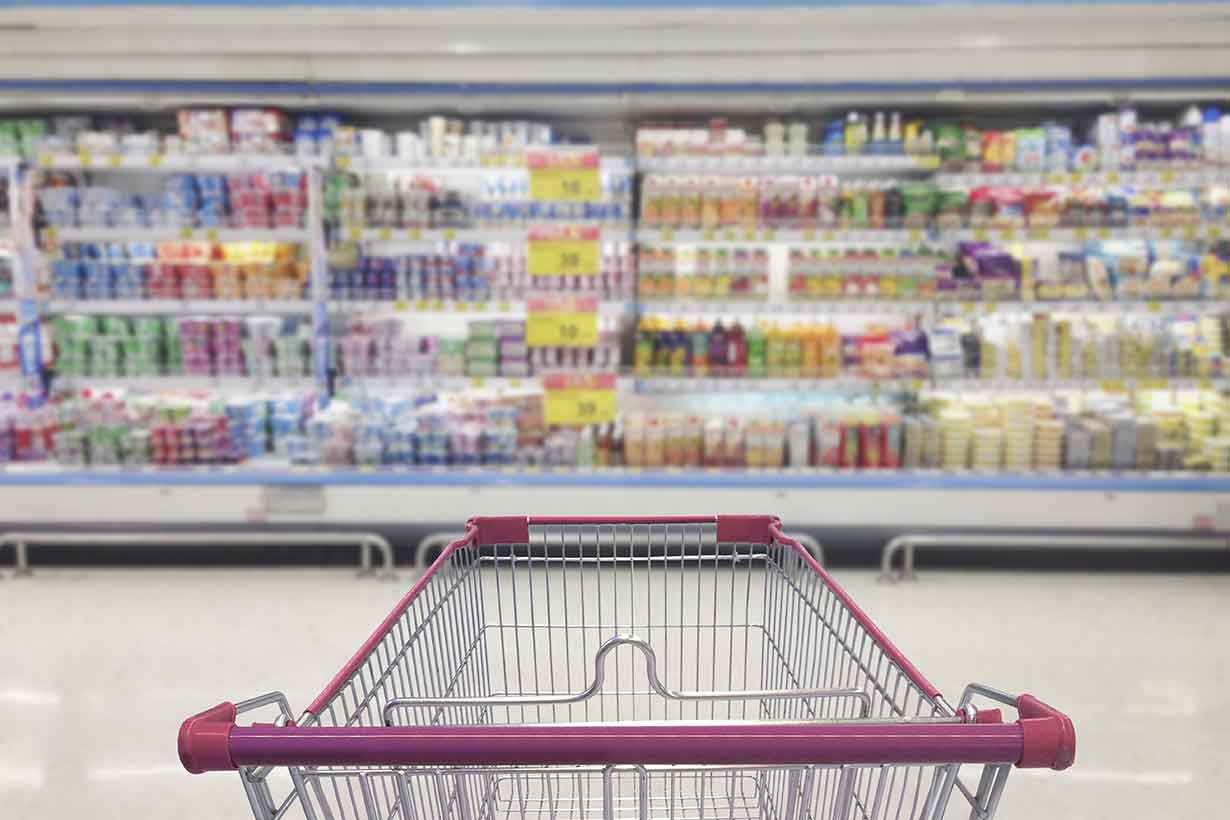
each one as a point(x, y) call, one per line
point(680, 349)
point(813, 352)
point(830, 362)
point(717, 350)
point(793, 358)
point(700, 350)
point(693, 441)
point(756, 367)
point(702, 280)
point(774, 353)
point(725, 272)
point(736, 356)
point(655, 444)
point(643, 355)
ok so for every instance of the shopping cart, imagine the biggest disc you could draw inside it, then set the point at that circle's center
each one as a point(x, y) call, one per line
point(682, 668)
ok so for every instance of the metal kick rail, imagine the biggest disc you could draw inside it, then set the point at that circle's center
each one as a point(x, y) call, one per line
point(908, 542)
point(366, 542)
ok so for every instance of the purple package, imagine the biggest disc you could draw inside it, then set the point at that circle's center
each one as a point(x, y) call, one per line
point(850, 356)
point(911, 352)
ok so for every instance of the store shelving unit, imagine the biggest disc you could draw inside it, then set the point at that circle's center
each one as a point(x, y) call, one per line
point(1166, 501)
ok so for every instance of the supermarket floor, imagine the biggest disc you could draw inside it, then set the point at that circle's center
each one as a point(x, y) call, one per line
point(100, 666)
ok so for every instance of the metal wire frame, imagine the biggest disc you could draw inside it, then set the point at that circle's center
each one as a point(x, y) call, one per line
point(508, 634)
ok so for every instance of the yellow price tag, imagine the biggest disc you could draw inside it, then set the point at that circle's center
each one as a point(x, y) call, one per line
point(560, 329)
point(668, 234)
point(563, 257)
point(1112, 385)
point(477, 381)
point(1189, 232)
point(1055, 179)
point(1214, 232)
point(480, 307)
point(1167, 176)
point(569, 184)
point(587, 406)
point(830, 236)
point(710, 235)
point(450, 234)
point(1007, 233)
point(1081, 233)
point(980, 234)
point(386, 234)
point(420, 305)
point(809, 236)
point(1206, 384)
point(969, 307)
point(916, 385)
point(155, 160)
point(1166, 233)
point(461, 307)
point(1112, 177)
point(414, 233)
point(400, 305)
point(185, 233)
point(51, 234)
point(116, 160)
point(1076, 177)
point(915, 235)
point(1154, 384)
point(212, 234)
point(1103, 233)
point(930, 161)
point(87, 159)
point(343, 162)
point(44, 160)
point(728, 235)
point(1155, 307)
point(356, 234)
point(769, 235)
point(437, 306)
point(1039, 233)
point(749, 236)
point(514, 382)
point(504, 307)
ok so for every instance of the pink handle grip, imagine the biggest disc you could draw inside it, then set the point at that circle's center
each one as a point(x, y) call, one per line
point(514, 529)
point(605, 744)
point(1049, 736)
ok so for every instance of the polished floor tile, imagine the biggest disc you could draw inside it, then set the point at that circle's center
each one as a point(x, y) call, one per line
point(100, 666)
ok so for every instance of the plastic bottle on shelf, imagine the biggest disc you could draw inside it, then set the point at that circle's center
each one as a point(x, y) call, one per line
point(680, 349)
point(756, 352)
point(737, 350)
point(718, 362)
point(700, 349)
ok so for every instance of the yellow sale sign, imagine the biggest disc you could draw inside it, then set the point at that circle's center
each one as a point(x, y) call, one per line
point(569, 176)
point(563, 257)
point(561, 322)
point(579, 399)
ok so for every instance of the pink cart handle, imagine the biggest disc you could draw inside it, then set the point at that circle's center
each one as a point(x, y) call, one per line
point(212, 742)
point(515, 529)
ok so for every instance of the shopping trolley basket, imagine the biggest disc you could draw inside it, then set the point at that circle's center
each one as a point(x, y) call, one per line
point(681, 668)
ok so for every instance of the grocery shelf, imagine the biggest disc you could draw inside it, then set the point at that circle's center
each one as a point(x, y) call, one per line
point(812, 307)
point(1109, 385)
point(447, 307)
point(696, 384)
point(511, 165)
point(775, 236)
point(138, 234)
point(446, 384)
point(1178, 307)
point(480, 234)
point(1178, 175)
point(917, 237)
point(182, 384)
point(815, 164)
point(173, 163)
point(1188, 232)
point(175, 307)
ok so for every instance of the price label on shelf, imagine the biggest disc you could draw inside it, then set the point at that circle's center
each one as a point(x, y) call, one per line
point(568, 176)
point(563, 257)
point(1007, 234)
point(414, 234)
point(915, 235)
point(342, 162)
point(1167, 177)
point(561, 323)
point(1189, 232)
point(568, 184)
point(769, 236)
point(1112, 385)
point(450, 234)
point(386, 234)
point(44, 160)
point(728, 235)
point(155, 160)
point(981, 234)
point(1166, 233)
point(1039, 233)
point(1081, 233)
point(185, 233)
point(1154, 307)
point(212, 234)
point(86, 158)
point(1215, 232)
point(420, 305)
point(1076, 177)
point(1112, 177)
point(809, 236)
point(579, 399)
point(116, 160)
point(401, 305)
point(355, 234)
point(1154, 384)
point(710, 235)
point(1103, 233)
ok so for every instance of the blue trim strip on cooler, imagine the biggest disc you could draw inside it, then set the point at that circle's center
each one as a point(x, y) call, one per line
point(631, 480)
point(584, 4)
point(340, 89)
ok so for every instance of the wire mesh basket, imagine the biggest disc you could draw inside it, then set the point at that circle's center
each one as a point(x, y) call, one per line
point(584, 669)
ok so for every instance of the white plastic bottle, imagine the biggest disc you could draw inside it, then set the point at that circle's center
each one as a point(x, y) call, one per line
point(1223, 140)
point(1210, 141)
